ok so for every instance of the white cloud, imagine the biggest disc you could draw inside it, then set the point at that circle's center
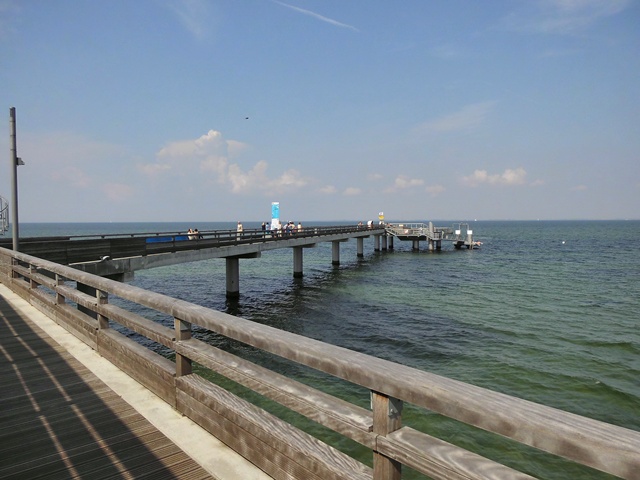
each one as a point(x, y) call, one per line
point(508, 177)
point(372, 177)
point(289, 179)
point(435, 190)
point(210, 154)
point(153, 169)
point(210, 143)
point(351, 191)
point(241, 181)
point(236, 148)
point(256, 179)
point(217, 164)
point(328, 190)
point(402, 183)
point(464, 119)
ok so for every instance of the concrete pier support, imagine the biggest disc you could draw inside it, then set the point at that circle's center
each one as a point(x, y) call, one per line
point(297, 262)
point(376, 243)
point(438, 245)
point(335, 253)
point(415, 245)
point(360, 246)
point(384, 242)
point(391, 242)
point(233, 273)
point(233, 277)
point(431, 245)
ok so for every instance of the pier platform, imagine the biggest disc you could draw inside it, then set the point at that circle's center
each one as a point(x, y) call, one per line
point(66, 412)
point(460, 235)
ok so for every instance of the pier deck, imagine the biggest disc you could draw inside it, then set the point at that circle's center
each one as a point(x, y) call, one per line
point(460, 235)
point(60, 420)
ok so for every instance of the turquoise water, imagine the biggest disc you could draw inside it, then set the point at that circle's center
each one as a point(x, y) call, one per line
point(545, 311)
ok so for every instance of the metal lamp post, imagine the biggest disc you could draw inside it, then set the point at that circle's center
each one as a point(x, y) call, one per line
point(15, 161)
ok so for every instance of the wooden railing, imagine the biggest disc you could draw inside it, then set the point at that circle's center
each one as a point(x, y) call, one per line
point(280, 449)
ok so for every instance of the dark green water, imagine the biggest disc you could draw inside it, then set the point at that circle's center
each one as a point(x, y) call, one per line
point(545, 311)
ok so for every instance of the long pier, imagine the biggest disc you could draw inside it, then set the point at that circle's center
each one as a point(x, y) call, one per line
point(276, 447)
point(118, 256)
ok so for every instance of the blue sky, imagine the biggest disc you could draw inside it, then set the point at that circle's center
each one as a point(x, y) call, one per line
point(194, 110)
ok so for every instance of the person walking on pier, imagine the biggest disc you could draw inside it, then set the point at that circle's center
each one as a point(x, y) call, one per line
point(239, 230)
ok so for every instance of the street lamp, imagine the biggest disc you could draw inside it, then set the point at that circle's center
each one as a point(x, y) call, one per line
point(15, 161)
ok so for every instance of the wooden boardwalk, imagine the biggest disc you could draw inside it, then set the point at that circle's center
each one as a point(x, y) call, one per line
point(59, 420)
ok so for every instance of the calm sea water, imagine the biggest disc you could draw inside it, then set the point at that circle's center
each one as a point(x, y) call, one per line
point(545, 311)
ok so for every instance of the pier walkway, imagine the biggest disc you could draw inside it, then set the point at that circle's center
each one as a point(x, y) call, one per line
point(66, 412)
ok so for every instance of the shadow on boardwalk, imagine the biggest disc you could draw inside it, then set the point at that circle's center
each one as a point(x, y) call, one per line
point(58, 420)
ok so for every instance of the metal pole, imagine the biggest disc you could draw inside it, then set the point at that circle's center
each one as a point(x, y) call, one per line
point(14, 179)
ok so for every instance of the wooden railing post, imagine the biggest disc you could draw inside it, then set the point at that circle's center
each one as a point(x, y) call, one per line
point(387, 417)
point(183, 332)
point(102, 299)
point(60, 299)
point(32, 271)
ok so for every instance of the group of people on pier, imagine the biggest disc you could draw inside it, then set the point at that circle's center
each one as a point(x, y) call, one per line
point(193, 234)
point(277, 229)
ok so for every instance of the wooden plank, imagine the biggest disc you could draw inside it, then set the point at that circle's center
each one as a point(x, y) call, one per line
point(251, 429)
point(76, 296)
point(43, 280)
point(387, 417)
point(150, 369)
point(145, 327)
point(258, 452)
point(339, 415)
point(74, 321)
point(440, 459)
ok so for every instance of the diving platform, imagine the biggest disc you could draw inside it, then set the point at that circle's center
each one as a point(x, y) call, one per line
point(459, 234)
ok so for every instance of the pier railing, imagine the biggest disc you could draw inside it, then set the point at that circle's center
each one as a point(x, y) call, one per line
point(280, 449)
point(91, 248)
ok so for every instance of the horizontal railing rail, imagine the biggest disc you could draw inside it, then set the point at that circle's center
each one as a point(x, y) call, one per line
point(91, 248)
point(277, 447)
